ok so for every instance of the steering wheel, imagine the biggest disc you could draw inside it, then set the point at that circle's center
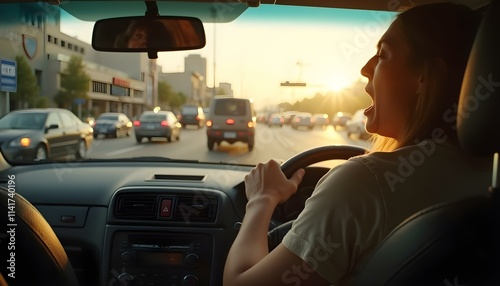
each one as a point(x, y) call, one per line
point(302, 160)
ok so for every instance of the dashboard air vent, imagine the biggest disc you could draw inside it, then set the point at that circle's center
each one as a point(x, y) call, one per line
point(136, 207)
point(195, 209)
point(195, 178)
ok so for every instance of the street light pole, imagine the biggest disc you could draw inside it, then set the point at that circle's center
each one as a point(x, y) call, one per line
point(215, 18)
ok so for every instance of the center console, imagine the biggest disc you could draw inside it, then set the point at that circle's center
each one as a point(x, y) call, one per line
point(163, 259)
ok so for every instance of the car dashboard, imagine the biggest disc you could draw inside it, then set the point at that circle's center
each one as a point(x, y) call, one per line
point(146, 222)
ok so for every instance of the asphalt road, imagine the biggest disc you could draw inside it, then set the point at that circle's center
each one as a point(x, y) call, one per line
point(270, 143)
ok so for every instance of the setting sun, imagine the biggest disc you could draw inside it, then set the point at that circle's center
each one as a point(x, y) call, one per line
point(338, 83)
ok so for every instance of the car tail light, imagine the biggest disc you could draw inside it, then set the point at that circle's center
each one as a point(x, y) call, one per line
point(209, 123)
point(164, 123)
point(250, 124)
point(137, 123)
point(229, 121)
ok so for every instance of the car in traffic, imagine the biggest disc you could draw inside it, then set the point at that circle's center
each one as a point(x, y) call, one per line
point(167, 214)
point(192, 115)
point(303, 120)
point(321, 120)
point(356, 125)
point(340, 119)
point(112, 124)
point(38, 134)
point(231, 120)
point(157, 124)
point(288, 116)
point(275, 119)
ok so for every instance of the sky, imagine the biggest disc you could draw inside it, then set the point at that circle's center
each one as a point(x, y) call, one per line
point(325, 48)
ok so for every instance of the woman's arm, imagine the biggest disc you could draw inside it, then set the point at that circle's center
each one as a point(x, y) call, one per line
point(249, 261)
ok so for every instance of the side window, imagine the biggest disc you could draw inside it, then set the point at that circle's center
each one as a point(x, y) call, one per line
point(67, 119)
point(53, 119)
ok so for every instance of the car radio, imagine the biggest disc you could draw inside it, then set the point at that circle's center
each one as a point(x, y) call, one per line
point(170, 259)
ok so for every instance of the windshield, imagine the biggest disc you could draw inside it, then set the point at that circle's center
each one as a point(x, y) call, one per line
point(108, 117)
point(280, 60)
point(26, 121)
point(190, 110)
point(152, 117)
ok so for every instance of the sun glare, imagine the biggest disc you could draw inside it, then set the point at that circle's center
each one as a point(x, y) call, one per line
point(338, 84)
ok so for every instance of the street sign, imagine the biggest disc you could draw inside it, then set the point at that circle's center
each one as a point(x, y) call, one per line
point(79, 101)
point(287, 83)
point(8, 75)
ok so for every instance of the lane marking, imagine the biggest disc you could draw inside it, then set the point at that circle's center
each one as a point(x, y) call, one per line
point(118, 152)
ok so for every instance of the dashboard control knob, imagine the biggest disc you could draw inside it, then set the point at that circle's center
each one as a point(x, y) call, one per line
point(190, 280)
point(127, 257)
point(125, 279)
point(192, 259)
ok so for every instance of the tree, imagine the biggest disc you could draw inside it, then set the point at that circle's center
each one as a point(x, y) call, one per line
point(348, 100)
point(74, 83)
point(178, 100)
point(165, 92)
point(27, 87)
point(166, 96)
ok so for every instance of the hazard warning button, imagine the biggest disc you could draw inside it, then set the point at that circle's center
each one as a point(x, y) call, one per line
point(166, 208)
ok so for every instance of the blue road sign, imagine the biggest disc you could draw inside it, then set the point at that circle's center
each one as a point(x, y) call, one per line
point(8, 75)
point(79, 101)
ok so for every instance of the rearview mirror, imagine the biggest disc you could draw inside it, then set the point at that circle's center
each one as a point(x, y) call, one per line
point(148, 34)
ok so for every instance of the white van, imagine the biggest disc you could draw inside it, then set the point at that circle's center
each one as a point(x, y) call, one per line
point(231, 120)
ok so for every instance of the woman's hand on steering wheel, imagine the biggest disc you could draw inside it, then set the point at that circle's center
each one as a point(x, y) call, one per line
point(267, 180)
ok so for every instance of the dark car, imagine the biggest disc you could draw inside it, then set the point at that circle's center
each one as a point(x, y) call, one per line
point(112, 124)
point(192, 115)
point(37, 134)
point(231, 120)
point(157, 124)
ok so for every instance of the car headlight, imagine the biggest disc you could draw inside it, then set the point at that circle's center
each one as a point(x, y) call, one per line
point(20, 142)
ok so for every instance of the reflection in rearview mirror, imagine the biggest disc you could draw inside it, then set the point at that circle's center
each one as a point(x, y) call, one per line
point(146, 34)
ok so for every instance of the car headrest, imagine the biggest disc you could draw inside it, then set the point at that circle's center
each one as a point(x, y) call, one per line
point(478, 119)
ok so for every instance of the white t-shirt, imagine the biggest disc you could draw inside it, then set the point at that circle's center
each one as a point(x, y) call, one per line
point(357, 204)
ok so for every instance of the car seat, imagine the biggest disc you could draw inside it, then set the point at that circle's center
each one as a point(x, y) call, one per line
point(455, 243)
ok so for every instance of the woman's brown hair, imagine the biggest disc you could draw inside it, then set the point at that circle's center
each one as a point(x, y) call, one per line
point(440, 37)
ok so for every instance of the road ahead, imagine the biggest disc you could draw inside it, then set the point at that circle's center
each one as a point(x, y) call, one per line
point(270, 143)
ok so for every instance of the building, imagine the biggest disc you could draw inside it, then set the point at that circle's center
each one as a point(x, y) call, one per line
point(192, 81)
point(224, 88)
point(120, 82)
